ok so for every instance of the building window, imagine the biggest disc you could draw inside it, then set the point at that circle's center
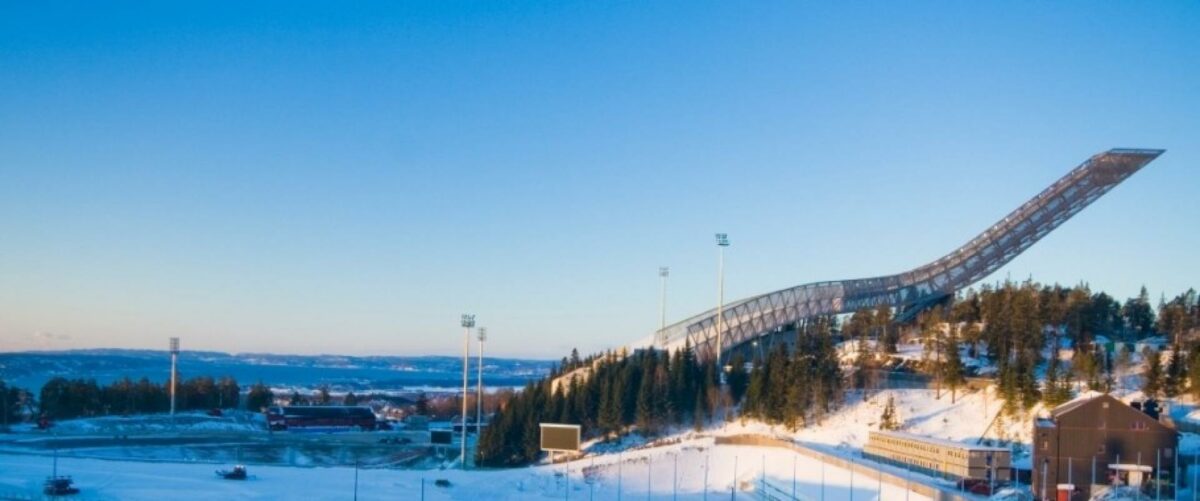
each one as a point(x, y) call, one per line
point(1045, 445)
point(1139, 425)
point(1100, 449)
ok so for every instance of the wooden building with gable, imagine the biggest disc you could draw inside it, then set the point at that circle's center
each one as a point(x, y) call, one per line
point(1096, 441)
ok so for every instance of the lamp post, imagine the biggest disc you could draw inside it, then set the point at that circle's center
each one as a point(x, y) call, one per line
point(663, 272)
point(468, 321)
point(482, 335)
point(174, 370)
point(722, 243)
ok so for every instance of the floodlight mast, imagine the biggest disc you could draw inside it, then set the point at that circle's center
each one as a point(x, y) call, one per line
point(663, 272)
point(468, 321)
point(479, 385)
point(174, 371)
point(722, 243)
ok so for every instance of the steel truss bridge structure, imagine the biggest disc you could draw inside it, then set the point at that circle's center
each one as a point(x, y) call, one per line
point(758, 316)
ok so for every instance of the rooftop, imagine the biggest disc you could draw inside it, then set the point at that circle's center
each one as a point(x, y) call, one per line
point(938, 441)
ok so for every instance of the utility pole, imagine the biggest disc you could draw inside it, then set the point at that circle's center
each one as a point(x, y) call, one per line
point(479, 385)
point(174, 371)
point(468, 321)
point(663, 272)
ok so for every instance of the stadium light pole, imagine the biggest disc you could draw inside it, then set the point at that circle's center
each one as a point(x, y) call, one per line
point(663, 272)
point(174, 370)
point(468, 321)
point(722, 243)
point(482, 334)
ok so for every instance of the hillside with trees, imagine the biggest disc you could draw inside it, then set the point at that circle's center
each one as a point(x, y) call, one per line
point(1016, 329)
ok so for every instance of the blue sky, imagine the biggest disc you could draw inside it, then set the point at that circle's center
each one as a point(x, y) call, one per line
point(308, 178)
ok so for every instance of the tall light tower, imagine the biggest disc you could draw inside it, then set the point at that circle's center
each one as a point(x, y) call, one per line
point(482, 334)
point(722, 243)
point(174, 370)
point(663, 273)
point(468, 321)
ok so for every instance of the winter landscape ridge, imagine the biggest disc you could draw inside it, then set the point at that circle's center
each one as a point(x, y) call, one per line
point(755, 251)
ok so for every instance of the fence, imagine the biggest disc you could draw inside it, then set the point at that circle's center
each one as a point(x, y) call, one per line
point(881, 475)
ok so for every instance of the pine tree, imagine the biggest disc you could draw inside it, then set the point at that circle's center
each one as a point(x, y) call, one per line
point(296, 399)
point(610, 405)
point(737, 378)
point(1052, 393)
point(829, 372)
point(422, 405)
point(1152, 379)
point(1085, 364)
point(799, 391)
point(888, 336)
point(708, 392)
point(1138, 314)
point(953, 372)
point(228, 393)
point(753, 404)
point(1194, 377)
point(1174, 380)
point(778, 380)
point(645, 402)
point(323, 396)
point(1064, 387)
point(259, 398)
point(11, 399)
point(889, 421)
point(690, 382)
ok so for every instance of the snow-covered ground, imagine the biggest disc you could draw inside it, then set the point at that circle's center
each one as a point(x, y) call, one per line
point(658, 473)
point(160, 423)
point(918, 411)
point(685, 462)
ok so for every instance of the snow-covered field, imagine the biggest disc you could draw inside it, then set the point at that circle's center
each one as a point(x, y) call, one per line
point(918, 411)
point(162, 423)
point(654, 472)
point(688, 463)
point(684, 464)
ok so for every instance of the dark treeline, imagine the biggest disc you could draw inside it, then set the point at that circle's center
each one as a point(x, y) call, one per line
point(1018, 320)
point(1011, 324)
point(13, 402)
point(794, 386)
point(63, 398)
point(651, 390)
point(647, 389)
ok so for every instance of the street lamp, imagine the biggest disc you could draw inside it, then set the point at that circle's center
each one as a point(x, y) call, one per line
point(663, 272)
point(468, 321)
point(722, 243)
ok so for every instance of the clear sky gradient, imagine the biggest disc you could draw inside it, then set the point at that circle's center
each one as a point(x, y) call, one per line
point(313, 179)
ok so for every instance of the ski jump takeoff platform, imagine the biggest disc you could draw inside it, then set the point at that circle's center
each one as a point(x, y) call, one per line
point(925, 285)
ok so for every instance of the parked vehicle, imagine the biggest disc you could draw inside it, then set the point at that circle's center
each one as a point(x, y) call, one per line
point(60, 486)
point(237, 473)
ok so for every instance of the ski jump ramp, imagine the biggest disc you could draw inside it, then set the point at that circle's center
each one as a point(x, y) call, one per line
point(912, 290)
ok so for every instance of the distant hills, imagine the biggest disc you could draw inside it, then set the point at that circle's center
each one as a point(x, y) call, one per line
point(31, 369)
